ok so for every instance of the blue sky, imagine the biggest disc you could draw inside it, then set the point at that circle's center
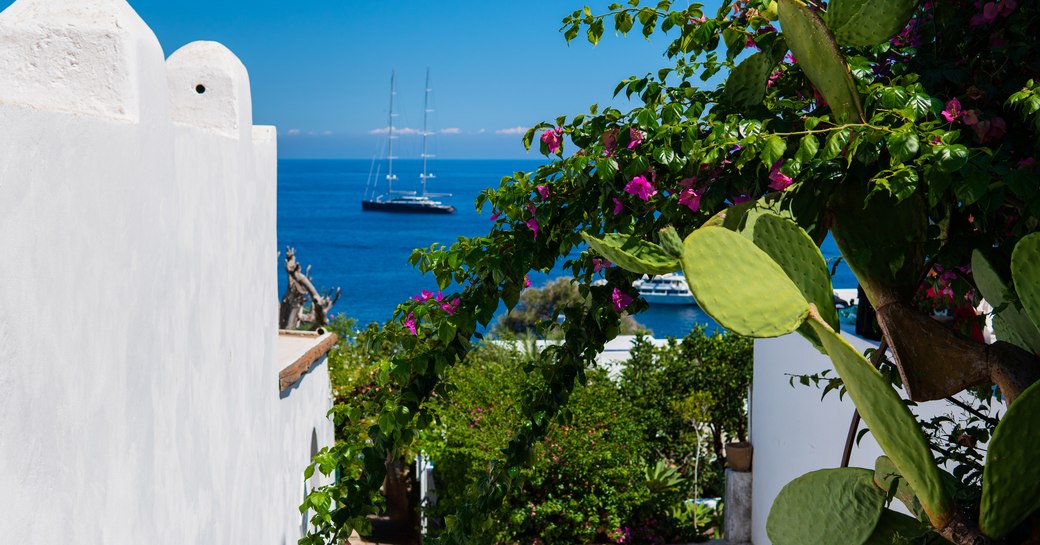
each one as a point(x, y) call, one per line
point(320, 69)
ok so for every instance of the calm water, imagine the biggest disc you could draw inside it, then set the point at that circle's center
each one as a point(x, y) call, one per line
point(366, 253)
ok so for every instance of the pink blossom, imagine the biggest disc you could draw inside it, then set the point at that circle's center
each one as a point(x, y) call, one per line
point(991, 129)
point(409, 322)
point(691, 198)
point(688, 183)
point(635, 138)
point(610, 141)
point(543, 191)
point(641, 187)
point(527, 281)
point(1027, 162)
point(531, 208)
point(451, 307)
point(532, 224)
point(495, 216)
point(740, 199)
point(621, 300)
point(780, 181)
point(553, 139)
point(970, 118)
point(698, 20)
point(599, 264)
point(618, 206)
point(424, 295)
point(773, 77)
point(953, 110)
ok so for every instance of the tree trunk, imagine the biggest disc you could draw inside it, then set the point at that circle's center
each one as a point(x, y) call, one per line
point(298, 291)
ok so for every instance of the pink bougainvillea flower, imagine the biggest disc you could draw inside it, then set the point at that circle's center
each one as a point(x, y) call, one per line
point(409, 322)
point(532, 224)
point(553, 139)
point(641, 187)
point(1027, 162)
point(991, 129)
point(598, 264)
point(970, 117)
point(527, 281)
point(691, 198)
point(618, 206)
point(1007, 6)
point(789, 58)
point(953, 110)
point(620, 299)
point(635, 138)
point(451, 307)
point(698, 20)
point(780, 181)
point(688, 183)
point(495, 216)
point(610, 141)
point(740, 199)
point(543, 191)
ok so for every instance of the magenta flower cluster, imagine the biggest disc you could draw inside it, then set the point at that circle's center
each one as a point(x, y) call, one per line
point(553, 139)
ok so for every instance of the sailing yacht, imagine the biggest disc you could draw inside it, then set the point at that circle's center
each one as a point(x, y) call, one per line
point(407, 201)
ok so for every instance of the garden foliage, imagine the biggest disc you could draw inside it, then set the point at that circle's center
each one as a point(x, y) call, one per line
point(905, 129)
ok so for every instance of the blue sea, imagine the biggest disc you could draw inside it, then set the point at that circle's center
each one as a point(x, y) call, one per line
point(366, 253)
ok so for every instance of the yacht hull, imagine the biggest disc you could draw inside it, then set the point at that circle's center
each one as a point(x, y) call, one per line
point(406, 207)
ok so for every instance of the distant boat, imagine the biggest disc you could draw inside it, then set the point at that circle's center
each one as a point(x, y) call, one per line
point(406, 201)
point(665, 289)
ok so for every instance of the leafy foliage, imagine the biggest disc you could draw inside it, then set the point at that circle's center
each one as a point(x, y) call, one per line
point(911, 152)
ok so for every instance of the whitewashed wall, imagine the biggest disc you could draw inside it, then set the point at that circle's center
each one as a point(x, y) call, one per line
point(793, 432)
point(139, 394)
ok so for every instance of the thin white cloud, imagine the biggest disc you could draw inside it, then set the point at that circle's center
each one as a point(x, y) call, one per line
point(482, 131)
point(514, 130)
point(451, 130)
point(293, 132)
point(400, 131)
point(327, 133)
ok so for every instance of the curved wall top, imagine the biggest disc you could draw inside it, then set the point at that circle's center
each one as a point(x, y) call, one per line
point(209, 88)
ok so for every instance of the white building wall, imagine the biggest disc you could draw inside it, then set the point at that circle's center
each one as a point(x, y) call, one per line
point(139, 396)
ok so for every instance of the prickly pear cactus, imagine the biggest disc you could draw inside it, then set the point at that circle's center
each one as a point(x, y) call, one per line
point(1025, 271)
point(633, 254)
point(895, 527)
point(799, 257)
point(886, 475)
point(1014, 325)
point(740, 286)
point(826, 507)
point(1011, 478)
point(863, 23)
point(891, 423)
point(671, 242)
point(746, 85)
point(818, 55)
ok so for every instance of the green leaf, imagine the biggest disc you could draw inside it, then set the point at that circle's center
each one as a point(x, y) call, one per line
point(999, 294)
point(903, 146)
point(773, 150)
point(716, 260)
point(891, 423)
point(606, 169)
point(665, 156)
point(836, 142)
point(951, 158)
point(1025, 272)
point(886, 476)
point(826, 507)
point(633, 254)
point(819, 57)
point(864, 23)
point(807, 149)
point(1011, 478)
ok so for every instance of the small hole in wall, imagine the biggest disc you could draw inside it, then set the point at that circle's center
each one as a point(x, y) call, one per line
point(200, 88)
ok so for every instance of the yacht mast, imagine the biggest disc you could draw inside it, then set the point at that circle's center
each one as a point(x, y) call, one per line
point(390, 140)
point(425, 132)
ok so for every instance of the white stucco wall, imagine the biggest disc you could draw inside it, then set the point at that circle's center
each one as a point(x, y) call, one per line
point(793, 432)
point(139, 397)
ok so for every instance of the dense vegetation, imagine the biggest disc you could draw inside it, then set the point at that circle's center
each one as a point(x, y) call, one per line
point(906, 129)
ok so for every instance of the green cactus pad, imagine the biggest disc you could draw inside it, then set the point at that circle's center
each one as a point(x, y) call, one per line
point(886, 475)
point(825, 507)
point(633, 254)
point(1025, 271)
point(801, 259)
point(863, 23)
point(891, 423)
point(817, 53)
point(895, 528)
point(1011, 479)
point(746, 85)
point(1016, 326)
point(671, 242)
point(740, 286)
